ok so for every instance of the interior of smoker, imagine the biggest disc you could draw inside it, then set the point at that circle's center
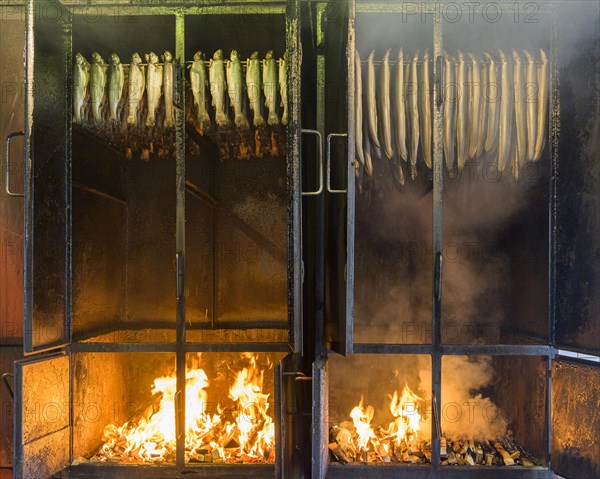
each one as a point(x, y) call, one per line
point(128, 417)
point(496, 228)
point(495, 238)
point(124, 209)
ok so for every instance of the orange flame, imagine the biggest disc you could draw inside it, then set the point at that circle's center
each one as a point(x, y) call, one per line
point(248, 436)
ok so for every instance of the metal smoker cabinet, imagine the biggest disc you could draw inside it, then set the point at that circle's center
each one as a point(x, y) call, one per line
point(123, 264)
point(396, 281)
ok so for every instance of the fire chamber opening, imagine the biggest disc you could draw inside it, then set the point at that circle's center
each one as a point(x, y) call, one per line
point(378, 411)
point(381, 410)
point(229, 409)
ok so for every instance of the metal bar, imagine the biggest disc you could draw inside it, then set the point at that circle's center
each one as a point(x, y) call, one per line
point(173, 347)
point(8, 172)
point(102, 471)
point(202, 195)
point(180, 243)
point(122, 347)
point(368, 348)
point(320, 202)
point(107, 196)
point(294, 178)
point(496, 349)
point(393, 471)
point(554, 122)
point(548, 413)
point(251, 324)
point(238, 347)
point(348, 328)
point(212, 7)
point(438, 191)
point(320, 163)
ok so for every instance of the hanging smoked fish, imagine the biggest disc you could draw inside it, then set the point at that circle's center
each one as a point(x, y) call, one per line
point(137, 86)
point(81, 80)
point(169, 87)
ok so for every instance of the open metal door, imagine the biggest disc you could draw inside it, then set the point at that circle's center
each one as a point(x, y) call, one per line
point(42, 416)
point(575, 419)
point(576, 208)
point(337, 27)
point(47, 176)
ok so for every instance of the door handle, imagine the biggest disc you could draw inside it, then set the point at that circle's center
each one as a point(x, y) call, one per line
point(7, 173)
point(329, 189)
point(320, 156)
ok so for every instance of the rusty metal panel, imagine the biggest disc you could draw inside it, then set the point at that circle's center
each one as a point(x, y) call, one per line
point(47, 176)
point(42, 422)
point(12, 76)
point(7, 357)
point(575, 420)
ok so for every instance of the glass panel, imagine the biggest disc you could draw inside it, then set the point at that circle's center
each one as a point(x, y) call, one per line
point(123, 183)
point(493, 410)
point(128, 416)
point(236, 186)
point(379, 408)
point(393, 262)
point(496, 191)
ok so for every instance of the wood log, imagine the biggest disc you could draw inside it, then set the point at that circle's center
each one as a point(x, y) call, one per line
point(506, 458)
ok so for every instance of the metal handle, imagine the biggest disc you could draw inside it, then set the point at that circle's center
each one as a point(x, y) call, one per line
point(320, 156)
point(7, 177)
point(438, 276)
point(179, 273)
point(5, 377)
point(329, 162)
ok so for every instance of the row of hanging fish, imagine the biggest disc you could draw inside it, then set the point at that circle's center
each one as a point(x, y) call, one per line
point(256, 97)
point(494, 107)
point(123, 88)
point(100, 84)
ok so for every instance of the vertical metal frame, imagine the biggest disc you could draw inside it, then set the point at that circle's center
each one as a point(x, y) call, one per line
point(294, 181)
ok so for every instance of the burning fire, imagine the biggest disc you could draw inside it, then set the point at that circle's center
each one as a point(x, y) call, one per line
point(242, 433)
point(402, 439)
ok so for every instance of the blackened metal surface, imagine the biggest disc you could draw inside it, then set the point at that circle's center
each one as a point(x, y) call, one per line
point(150, 194)
point(98, 262)
point(103, 471)
point(252, 241)
point(42, 420)
point(577, 290)
point(519, 390)
point(47, 176)
point(337, 471)
point(575, 420)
